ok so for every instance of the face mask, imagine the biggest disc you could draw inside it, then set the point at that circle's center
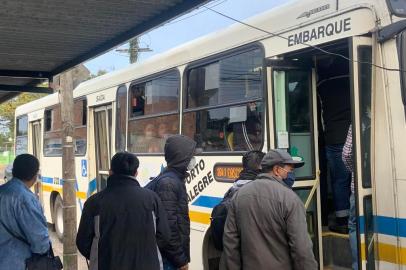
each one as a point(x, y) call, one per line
point(192, 164)
point(290, 179)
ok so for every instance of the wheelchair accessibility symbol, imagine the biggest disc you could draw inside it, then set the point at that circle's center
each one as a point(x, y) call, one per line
point(84, 167)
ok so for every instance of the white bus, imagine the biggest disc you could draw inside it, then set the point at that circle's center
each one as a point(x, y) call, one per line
point(241, 89)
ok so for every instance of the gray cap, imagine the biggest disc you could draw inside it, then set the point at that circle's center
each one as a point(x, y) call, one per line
point(278, 156)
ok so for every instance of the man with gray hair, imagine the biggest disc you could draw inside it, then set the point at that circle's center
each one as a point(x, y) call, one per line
point(266, 223)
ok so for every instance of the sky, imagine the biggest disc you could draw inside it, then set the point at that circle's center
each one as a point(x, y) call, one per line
point(190, 26)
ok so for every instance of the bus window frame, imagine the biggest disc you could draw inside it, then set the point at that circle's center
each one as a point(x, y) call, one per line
point(401, 46)
point(81, 126)
point(312, 119)
point(216, 58)
point(125, 115)
point(154, 115)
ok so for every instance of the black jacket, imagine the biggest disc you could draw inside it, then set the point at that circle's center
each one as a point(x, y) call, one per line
point(172, 191)
point(334, 94)
point(120, 225)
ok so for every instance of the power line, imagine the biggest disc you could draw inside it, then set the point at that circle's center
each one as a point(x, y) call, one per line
point(197, 13)
point(303, 43)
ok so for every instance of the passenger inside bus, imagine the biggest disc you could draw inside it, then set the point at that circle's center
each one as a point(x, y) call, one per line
point(146, 142)
point(226, 129)
point(138, 100)
point(334, 94)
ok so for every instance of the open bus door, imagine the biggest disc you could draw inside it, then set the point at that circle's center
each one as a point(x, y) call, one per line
point(36, 150)
point(292, 116)
point(103, 143)
point(362, 82)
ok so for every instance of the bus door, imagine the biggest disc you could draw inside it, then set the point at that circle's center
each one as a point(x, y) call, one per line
point(293, 117)
point(36, 151)
point(102, 132)
point(362, 81)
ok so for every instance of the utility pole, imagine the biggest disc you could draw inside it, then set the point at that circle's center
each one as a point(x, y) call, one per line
point(70, 261)
point(134, 50)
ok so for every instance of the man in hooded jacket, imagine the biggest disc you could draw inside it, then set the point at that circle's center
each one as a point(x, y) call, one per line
point(171, 188)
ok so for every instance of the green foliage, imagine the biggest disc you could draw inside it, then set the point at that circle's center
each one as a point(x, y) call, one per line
point(99, 73)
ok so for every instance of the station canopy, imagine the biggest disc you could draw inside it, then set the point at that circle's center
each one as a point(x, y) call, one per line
point(40, 39)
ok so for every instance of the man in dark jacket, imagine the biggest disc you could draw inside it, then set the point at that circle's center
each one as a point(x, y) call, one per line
point(171, 188)
point(251, 163)
point(120, 225)
point(266, 222)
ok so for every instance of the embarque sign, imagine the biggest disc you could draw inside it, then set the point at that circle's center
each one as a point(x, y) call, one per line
point(327, 30)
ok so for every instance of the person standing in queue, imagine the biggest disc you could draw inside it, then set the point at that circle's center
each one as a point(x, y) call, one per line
point(266, 223)
point(120, 226)
point(23, 227)
point(171, 188)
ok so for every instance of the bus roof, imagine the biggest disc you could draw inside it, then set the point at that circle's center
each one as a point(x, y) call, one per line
point(278, 20)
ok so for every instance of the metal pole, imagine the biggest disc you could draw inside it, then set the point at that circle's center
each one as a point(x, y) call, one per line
point(68, 173)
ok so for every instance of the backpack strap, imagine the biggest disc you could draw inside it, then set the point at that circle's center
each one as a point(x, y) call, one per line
point(154, 183)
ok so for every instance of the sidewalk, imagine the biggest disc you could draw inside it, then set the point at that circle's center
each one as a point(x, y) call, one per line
point(58, 250)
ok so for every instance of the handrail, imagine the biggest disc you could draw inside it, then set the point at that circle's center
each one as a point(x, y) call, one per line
point(314, 188)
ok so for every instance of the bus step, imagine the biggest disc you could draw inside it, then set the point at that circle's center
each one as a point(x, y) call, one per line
point(336, 251)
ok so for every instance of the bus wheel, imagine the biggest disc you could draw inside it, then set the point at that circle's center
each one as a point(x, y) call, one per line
point(58, 215)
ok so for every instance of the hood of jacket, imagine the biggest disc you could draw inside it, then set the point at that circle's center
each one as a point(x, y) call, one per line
point(247, 174)
point(179, 150)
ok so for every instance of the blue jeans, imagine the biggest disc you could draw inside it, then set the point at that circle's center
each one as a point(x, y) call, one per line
point(340, 179)
point(352, 227)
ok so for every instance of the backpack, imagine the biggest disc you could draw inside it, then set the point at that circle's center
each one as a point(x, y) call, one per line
point(152, 185)
point(219, 216)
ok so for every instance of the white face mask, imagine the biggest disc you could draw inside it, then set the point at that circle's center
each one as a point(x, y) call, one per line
point(192, 164)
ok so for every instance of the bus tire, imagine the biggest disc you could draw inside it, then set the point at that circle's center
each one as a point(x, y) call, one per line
point(58, 215)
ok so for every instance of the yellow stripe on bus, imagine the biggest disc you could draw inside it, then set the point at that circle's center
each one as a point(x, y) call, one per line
point(48, 188)
point(200, 217)
point(387, 253)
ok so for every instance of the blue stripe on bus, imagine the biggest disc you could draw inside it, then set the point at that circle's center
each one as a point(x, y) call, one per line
point(386, 225)
point(207, 201)
point(383, 225)
point(92, 187)
point(48, 180)
point(80, 202)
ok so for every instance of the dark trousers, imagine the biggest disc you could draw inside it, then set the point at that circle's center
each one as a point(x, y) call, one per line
point(340, 180)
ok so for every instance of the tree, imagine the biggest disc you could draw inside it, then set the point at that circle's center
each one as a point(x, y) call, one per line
point(7, 111)
point(99, 73)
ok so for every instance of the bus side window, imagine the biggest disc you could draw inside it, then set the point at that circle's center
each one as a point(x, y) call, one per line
point(80, 122)
point(21, 135)
point(52, 134)
point(154, 113)
point(224, 103)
